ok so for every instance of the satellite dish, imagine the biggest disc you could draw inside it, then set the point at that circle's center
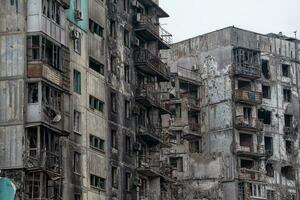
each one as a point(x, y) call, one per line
point(57, 118)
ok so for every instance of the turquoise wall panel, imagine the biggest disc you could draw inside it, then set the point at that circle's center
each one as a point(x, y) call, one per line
point(84, 23)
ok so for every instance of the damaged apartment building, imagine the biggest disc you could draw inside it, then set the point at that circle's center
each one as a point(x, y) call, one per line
point(235, 112)
point(80, 109)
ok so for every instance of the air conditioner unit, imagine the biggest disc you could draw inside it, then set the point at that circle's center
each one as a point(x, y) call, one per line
point(137, 146)
point(78, 15)
point(75, 34)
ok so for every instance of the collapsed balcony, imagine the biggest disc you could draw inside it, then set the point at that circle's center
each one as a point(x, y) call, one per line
point(249, 97)
point(151, 166)
point(151, 31)
point(43, 151)
point(151, 64)
point(148, 96)
point(247, 63)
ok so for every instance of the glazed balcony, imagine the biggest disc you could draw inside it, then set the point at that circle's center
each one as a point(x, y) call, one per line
point(249, 97)
point(44, 160)
point(248, 124)
point(152, 166)
point(150, 31)
point(151, 64)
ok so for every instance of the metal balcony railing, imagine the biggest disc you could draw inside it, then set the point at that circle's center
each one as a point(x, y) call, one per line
point(248, 96)
point(148, 92)
point(145, 57)
point(252, 123)
point(244, 69)
point(251, 174)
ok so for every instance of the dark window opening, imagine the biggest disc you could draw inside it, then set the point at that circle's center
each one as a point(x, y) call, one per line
point(195, 146)
point(269, 145)
point(246, 140)
point(244, 85)
point(264, 116)
point(126, 38)
point(96, 66)
point(96, 143)
point(95, 103)
point(127, 144)
point(33, 93)
point(177, 162)
point(288, 172)
point(51, 9)
point(289, 146)
point(270, 195)
point(115, 177)
point(97, 182)
point(247, 115)
point(76, 162)
point(247, 164)
point(270, 170)
point(287, 95)
point(288, 120)
point(95, 28)
point(127, 109)
point(127, 181)
point(265, 68)
point(114, 139)
point(285, 70)
point(126, 74)
point(51, 99)
point(77, 197)
point(266, 91)
point(77, 81)
point(114, 102)
point(113, 29)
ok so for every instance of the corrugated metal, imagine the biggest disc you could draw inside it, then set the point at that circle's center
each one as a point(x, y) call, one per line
point(12, 53)
point(11, 101)
point(11, 146)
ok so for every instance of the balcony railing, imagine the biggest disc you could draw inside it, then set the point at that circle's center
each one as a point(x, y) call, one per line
point(151, 63)
point(248, 96)
point(149, 133)
point(149, 93)
point(249, 124)
point(251, 174)
point(247, 70)
point(254, 151)
point(290, 132)
point(45, 160)
point(192, 101)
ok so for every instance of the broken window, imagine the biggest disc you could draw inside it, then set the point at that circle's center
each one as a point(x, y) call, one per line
point(96, 66)
point(265, 68)
point(177, 162)
point(96, 143)
point(270, 194)
point(51, 9)
point(95, 28)
point(270, 169)
point(126, 74)
point(287, 95)
point(246, 140)
point(35, 48)
point(77, 121)
point(114, 140)
point(51, 98)
point(77, 197)
point(244, 85)
point(257, 190)
point(97, 182)
point(76, 162)
point(266, 91)
point(264, 116)
point(127, 109)
point(126, 38)
point(289, 146)
point(288, 120)
point(247, 115)
point(113, 102)
point(269, 145)
point(33, 92)
point(32, 136)
point(96, 103)
point(115, 177)
point(127, 181)
point(127, 144)
point(285, 70)
point(195, 146)
point(288, 172)
point(77, 81)
point(113, 29)
point(247, 164)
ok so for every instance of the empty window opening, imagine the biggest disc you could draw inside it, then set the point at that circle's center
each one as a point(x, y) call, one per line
point(265, 68)
point(33, 93)
point(247, 164)
point(95, 103)
point(127, 144)
point(76, 162)
point(285, 70)
point(113, 29)
point(270, 170)
point(195, 146)
point(264, 116)
point(77, 197)
point(288, 120)
point(289, 146)
point(269, 145)
point(177, 162)
point(77, 117)
point(95, 28)
point(127, 181)
point(266, 91)
point(127, 73)
point(51, 99)
point(126, 38)
point(244, 85)
point(287, 95)
point(96, 143)
point(114, 139)
point(288, 172)
point(115, 177)
point(127, 109)
point(247, 115)
point(246, 140)
point(114, 102)
point(97, 182)
point(96, 66)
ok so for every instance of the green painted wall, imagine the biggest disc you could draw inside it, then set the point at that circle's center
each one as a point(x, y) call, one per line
point(82, 24)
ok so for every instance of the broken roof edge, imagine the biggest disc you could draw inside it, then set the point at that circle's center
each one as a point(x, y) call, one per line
point(274, 35)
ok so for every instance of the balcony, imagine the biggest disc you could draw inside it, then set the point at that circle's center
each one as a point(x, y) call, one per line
point(251, 174)
point(149, 133)
point(44, 160)
point(192, 102)
point(247, 71)
point(250, 151)
point(248, 97)
point(151, 64)
point(290, 132)
point(149, 31)
point(248, 124)
point(152, 166)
